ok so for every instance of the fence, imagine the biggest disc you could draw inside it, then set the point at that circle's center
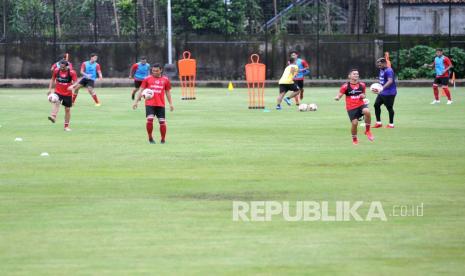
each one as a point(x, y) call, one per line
point(333, 35)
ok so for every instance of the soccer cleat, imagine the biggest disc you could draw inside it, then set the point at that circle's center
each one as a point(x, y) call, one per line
point(162, 141)
point(355, 141)
point(151, 141)
point(449, 102)
point(51, 119)
point(67, 129)
point(390, 126)
point(369, 135)
point(133, 95)
point(288, 101)
point(278, 107)
point(98, 104)
point(378, 125)
point(435, 102)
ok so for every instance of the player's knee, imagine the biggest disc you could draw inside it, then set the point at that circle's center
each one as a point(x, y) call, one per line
point(162, 121)
point(355, 122)
point(366, 111)
point(150, 118)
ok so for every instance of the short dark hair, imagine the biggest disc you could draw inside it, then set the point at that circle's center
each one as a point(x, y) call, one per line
point(64, 62)
point(382, 60)
point(439, 50)
point(294, 52)
point(291, 60)
point(93, 55)
point(157, 65)
point(142, 58)
point(352, 70)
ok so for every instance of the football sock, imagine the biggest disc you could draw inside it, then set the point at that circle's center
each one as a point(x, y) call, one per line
point(94, 96)
point(354, 137)
point(447, 92)
point(149, 127)
point(163, 130)
point(436, 93)
point(367, 127)
point(74, 97)
point(66, 124)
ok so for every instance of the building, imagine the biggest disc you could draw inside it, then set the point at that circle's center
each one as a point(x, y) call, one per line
point(424, 17)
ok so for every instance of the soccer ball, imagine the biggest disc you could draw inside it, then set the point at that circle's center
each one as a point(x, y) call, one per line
point(376, 88)
point(303, 107)
point(53, 98)
point(147, 94)
point(312, 107)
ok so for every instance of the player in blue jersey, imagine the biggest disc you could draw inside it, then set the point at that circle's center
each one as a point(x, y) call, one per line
point(442, 65)
point(299, 78)
point(388, 95)
point(139, 71)
point(90, 71)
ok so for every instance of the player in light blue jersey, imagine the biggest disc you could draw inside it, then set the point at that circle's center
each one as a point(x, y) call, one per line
point(139, 71)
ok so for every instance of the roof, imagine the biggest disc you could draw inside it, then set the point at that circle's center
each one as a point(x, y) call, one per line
point(424, 1)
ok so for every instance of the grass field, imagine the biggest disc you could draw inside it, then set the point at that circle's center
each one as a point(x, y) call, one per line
point(107, 202)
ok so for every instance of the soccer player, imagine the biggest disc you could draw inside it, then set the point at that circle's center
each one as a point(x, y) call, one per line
point(139, 71)
point(354, 90)
point(286, 83)
point(155, 106)
point(89, 70)
point(62, 77)
point(299, 78)
point(388, 95)
point(57, 64)
point(441, 65)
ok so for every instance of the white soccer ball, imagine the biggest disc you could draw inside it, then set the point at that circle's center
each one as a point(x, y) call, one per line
point(147, 94)
point(53, 98)
point(376, 88)
point(312, 107)
point(303, 107)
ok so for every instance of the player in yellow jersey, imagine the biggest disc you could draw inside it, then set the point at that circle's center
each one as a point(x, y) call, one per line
point(286, 83)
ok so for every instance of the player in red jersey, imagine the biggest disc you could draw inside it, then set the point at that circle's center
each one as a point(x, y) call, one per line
point(161, 87)
point(62, 77)
point(60, 58)
point(354, 90)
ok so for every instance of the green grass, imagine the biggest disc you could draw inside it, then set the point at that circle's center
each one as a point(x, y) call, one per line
point(107, 202)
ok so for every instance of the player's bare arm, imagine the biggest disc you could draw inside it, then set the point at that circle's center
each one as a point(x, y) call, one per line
point(168, 97)
point(50, 85)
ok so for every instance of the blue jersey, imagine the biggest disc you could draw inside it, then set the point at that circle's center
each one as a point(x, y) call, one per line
point(142, 71)
point(90, 69)
point(440, 64)
point(384, 76)
point(302, 73)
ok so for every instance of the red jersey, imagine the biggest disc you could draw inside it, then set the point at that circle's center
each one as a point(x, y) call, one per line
point(57, 65)
point(353, 93)
point(63, 80)
point(159, 86)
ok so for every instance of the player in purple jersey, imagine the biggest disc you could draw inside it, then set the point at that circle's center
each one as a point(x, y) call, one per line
point(388, 95)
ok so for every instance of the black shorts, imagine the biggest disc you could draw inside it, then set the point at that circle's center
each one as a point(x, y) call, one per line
point(387, 100)
point(66, 101)
point(158, 111)
point(356, 113)
point(137, 83)
point(87, 82)
point(299, 83)
point(442, 81)
point(283, 88)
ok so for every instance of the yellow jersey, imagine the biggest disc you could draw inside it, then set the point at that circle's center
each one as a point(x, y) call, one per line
point(289, 73)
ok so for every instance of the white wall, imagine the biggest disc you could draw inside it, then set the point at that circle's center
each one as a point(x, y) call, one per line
point(425, 19)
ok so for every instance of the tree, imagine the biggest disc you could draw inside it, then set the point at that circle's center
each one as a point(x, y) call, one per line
point(30, 18)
